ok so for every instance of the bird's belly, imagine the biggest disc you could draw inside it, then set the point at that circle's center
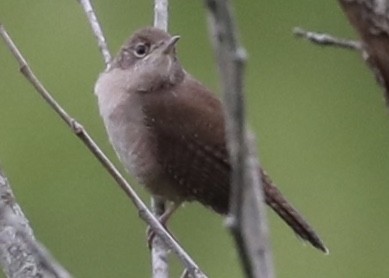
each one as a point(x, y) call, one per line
point(133, 145)
point(136, 150)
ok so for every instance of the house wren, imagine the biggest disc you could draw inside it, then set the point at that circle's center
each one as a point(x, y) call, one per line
point(169, 130)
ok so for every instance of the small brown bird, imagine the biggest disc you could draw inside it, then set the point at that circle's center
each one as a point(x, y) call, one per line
point(168, 129)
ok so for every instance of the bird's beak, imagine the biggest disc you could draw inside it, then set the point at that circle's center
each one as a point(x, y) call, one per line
point(169, 46)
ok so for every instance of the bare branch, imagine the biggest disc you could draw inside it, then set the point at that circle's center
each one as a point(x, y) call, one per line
point(247, 218)
point(82, 134)
point(161, 14)
point(326, 39)
point(21, 256)
point(97, 31)
point(159, 252)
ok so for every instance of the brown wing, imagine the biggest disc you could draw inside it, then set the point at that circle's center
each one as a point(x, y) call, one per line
point(189, 125)
point(188, 121)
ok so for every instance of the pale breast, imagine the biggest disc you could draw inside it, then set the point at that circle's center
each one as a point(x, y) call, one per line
point(124, 121)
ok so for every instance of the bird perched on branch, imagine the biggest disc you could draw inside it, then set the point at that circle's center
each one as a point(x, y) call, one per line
point(169, 130)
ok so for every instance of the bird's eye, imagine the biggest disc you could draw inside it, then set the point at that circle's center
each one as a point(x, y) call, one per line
point(141, 50)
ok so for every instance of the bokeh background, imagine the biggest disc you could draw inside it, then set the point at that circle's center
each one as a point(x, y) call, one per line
point(321, 121)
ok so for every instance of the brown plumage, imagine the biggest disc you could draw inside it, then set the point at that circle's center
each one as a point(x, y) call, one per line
point(169, 130)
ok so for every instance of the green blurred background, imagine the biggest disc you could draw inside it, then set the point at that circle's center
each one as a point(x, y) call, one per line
point(322, 126)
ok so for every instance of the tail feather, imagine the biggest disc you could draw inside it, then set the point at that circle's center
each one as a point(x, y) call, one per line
point(290, 215)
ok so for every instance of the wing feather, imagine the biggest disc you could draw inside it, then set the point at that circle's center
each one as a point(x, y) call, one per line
point(190, 139)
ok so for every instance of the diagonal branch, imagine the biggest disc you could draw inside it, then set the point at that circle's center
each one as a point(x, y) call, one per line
point(84, 136)
point(247, 217)
point(21, 256)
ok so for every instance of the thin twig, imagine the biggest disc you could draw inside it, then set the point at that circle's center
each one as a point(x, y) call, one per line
point(97, 31)
point(82, 134)
point(247, 217)
point(326, 39)
point(21, 256)
point(159, 252)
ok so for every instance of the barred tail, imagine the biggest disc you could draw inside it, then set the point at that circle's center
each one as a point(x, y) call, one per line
point(291, 216)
